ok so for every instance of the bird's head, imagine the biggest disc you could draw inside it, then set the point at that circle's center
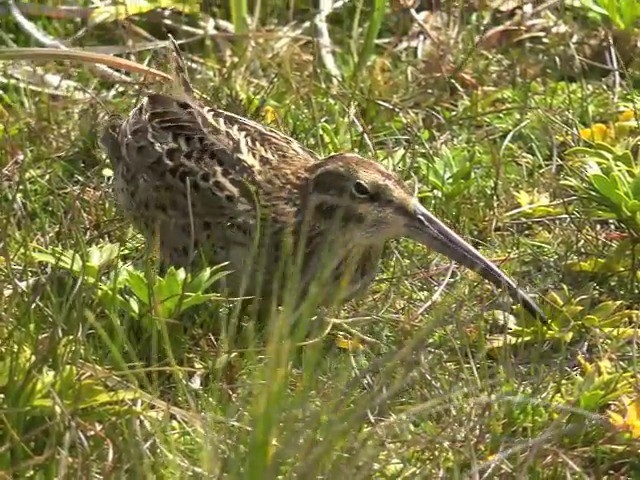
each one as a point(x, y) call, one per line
point(362, 203)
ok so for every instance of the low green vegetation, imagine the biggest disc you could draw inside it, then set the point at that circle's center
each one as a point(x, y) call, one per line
point(518, 124)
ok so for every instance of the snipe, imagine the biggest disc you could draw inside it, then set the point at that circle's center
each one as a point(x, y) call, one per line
point(214, 185)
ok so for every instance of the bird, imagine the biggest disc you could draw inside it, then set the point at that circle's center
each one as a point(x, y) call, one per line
point(217, 188)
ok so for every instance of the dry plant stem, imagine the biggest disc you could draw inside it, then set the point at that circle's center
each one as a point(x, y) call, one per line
point(320, 337)
point(362, 130)
point(137, 47)
point(513, 22)
point(612, 60)
point(48, 54)
point(117, 383)
point(359, 335)
point(435, 297)
point(424, 28)
point(36, 78)
point(297, 30)
point(208, 29)
point(325, 46)
point(55, 12)
point(44, 39)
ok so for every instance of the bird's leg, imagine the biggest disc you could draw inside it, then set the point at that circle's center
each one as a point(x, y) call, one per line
point(152, 260)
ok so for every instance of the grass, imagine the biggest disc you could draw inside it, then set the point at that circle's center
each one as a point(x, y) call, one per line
point(108, 371)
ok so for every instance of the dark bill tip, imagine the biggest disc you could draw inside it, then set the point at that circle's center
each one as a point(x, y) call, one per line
point(431, 232)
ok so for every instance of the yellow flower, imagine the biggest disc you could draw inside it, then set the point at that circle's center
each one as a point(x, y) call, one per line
point(526, 199)
point(626, 115)
point(348, 344)
point(523, 198)
point(586, 366)
point(598, 132)
point(630, 422)
point(269, 114)
point(626, 122)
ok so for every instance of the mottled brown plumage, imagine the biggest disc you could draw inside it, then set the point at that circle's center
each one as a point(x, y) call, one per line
point(214, 185)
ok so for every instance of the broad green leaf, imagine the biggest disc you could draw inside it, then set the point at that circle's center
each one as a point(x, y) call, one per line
point(634, 188)
point(625, 158)
point(46, 257)
point(592, 265)
point(554, 299)
point(199, 282)
point(617, 319)
point(193, 300)
point(593, 6)
point(622, 183)
point(607, 188)
point(605, 147)
point(134, 306)
point(606, 309)
point(632, 206)
point(618, 259)
point(592, 400)
point(206, 278)
point(106, 397)
point(587, 152)
point(139, 286)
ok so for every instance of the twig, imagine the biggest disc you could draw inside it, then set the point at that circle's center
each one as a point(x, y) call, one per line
point(35, 78)
point(424, 28)
point(435, 297)
point(360, 335)
point(318, 338)
point(297, 31)
point(514, 21)
point(217, 30)
point(58, 13)
point(361, 129)
point(46, 53)
point(46, 40)
point(612, 59)
point(324, 40)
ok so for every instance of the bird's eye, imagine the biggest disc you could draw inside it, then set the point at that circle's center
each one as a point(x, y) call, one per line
point(360, 189)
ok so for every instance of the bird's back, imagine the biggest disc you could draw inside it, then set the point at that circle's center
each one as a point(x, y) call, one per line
point(164, 132)
point(199, 176)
